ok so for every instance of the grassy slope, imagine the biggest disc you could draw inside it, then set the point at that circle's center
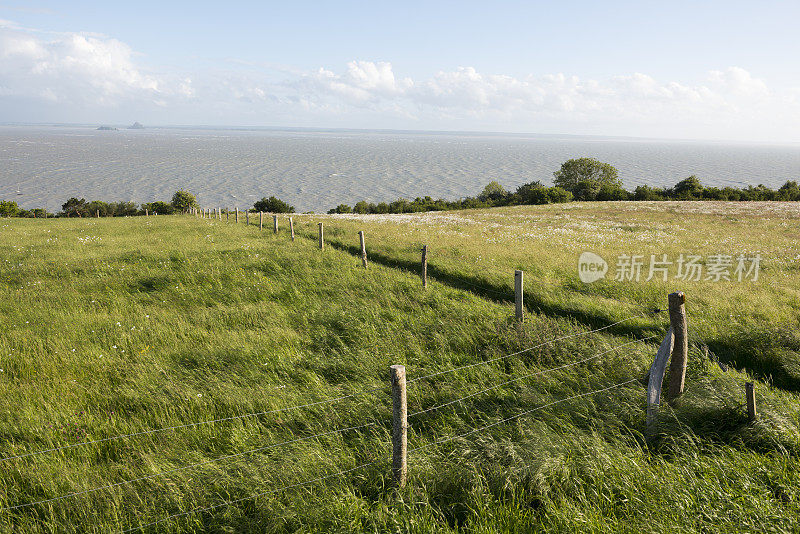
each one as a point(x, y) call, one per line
point(119, 326)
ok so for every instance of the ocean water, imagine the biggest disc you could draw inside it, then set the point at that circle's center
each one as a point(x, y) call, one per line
point(317, 170)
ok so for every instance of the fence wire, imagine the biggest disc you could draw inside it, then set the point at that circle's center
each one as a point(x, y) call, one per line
point(184, 468)
point(513, 417)
point(544, 343)
point(572, 364)
point(255, 496)
point(189, 425)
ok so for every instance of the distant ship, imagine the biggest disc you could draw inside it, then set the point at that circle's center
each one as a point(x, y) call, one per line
point(136, 126)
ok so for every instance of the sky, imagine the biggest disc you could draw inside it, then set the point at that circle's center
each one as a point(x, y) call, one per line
point(692, 70)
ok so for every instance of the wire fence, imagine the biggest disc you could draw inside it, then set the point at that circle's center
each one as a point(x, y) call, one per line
point(353, 428)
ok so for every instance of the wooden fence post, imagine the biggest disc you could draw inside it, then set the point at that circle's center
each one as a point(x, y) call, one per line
point(97, 214)
point(237, 215)
point(291, 227)
point(518, 304)
point(321, 242)
point(146, 212)
point(247, 217)
point(227, 214)
point(656, 378)
point(274, 224)
point(750, 393)
point(363, 248)
point(219, 213)
point(400, 425)
point(260, 220)
point(677, 365)
point(424, 272)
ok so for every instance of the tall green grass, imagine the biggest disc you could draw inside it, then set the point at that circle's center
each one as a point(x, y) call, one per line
point(120, 326)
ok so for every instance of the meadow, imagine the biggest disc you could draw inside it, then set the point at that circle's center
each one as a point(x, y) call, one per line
point(213, 333)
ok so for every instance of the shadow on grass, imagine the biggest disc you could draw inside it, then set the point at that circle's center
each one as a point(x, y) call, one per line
point(477, 286)
point(745, 352)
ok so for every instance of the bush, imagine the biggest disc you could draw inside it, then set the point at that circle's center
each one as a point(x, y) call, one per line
point(611, 192)
point(273, 205)
point(586, 175)
point(74, 207)
point(183, 200)
point(341, 208)
point(687, 189)
point(159, 207)
point(645, 192)
point(8, 208)
point(98, 206)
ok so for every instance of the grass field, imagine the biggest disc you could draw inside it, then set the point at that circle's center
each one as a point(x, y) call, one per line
point(122, 326)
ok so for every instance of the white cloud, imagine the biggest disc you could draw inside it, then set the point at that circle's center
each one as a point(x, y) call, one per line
point(70, 68)
point(91, 71)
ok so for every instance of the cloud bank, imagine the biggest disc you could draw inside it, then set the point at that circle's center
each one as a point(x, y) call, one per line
point(81, 74)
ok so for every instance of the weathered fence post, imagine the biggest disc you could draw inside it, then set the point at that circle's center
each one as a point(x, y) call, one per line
point(247, 217)
point(424, 272)
point(260, 220)
point(656, 379)
point(291, 227)
point(97, 214)
point(227, 214)
point(237, 215)
point(274, 224)
point(363, 248)
point(677, 365)
point(321, 242)
point(400, 425)
point(146, 212)
point(219, 211)
point(750, 393)
point(518, 304)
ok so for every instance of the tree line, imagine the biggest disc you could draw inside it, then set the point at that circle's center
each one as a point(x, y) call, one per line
point(584, 179)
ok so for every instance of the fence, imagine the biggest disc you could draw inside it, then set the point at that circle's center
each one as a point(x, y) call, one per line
point(674, 347)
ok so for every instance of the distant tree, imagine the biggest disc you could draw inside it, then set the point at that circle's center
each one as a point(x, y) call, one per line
point(493, 192)
point(532, 193)
point(687, 189)
point(273, 205)
point(645, 192)
point(74, 207)
point(159, 207)
point(341, 208)
point(789, 191)
point(98, 205)
point(361, 207)
point(8, 208)
point(583, 177)
point(611, 192)
point(183, 200)
point(123, 209)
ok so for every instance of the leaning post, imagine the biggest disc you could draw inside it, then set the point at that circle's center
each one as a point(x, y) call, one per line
point(680, 350)
point(291, 227)
point(424, 272)
point(363, 248)
point(399, 425)
point(518, 303)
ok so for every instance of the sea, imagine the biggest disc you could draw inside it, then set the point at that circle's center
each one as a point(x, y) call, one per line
point(315, 170)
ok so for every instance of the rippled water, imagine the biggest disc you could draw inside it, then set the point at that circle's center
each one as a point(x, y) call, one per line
point(318, 170)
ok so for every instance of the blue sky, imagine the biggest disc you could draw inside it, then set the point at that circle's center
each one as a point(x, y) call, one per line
point(714, 70)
